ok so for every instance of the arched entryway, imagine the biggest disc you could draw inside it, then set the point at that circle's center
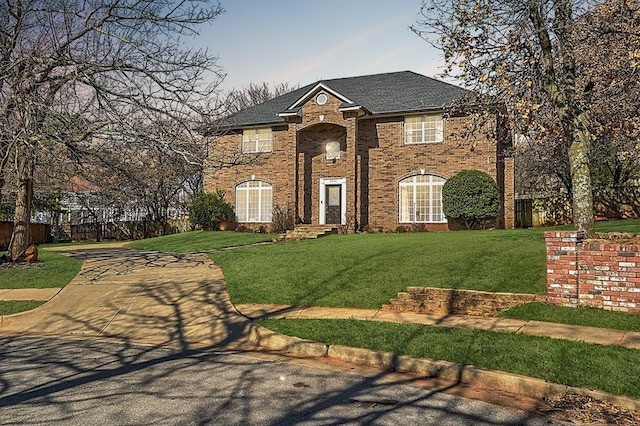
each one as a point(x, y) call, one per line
point(323, 169)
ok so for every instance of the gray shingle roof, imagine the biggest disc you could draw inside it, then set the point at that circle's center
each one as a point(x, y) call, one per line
point(391, 93)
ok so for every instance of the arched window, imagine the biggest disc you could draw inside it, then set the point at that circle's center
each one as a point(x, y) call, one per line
point(421, 199)
point(254, 201)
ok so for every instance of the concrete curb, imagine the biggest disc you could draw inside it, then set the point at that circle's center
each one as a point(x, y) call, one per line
point(470, 375)
point(270, 340)
point(459, 373)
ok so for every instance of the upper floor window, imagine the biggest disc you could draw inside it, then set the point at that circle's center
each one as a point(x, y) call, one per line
point(423, 129)
point(257, 140)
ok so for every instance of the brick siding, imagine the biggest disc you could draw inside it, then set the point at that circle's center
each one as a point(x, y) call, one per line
point(373, 160)
point(592, 273)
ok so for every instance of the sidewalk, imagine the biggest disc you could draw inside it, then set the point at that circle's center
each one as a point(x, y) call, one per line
point(20, 294)
point(602, 336)
point(135, 295)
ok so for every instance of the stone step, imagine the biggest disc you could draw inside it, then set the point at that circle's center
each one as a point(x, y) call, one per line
point(309, 232)
point(453, 301)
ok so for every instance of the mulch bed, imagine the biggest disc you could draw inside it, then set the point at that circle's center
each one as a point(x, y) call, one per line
point(21, 265)
point(586, 410)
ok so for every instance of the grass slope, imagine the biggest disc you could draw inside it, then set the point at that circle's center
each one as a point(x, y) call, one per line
point(607, 368)
point(364, 271)
point(199, 241)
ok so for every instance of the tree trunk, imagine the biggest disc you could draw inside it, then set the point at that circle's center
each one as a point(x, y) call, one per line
point(581, 179)
point(1, 185)
point(561, 91)
point(22, 218)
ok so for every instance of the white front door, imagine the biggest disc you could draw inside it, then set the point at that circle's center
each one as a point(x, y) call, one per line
point(333, 201)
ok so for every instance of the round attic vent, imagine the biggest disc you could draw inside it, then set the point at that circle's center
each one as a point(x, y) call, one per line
point(321, 99)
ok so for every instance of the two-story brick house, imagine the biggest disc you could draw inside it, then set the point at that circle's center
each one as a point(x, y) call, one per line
point(372, 150)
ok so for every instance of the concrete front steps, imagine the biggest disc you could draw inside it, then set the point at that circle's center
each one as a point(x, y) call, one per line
point(459, 302)
point(309, 232)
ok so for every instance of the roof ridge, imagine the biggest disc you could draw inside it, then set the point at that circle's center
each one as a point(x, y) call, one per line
point(382, 93)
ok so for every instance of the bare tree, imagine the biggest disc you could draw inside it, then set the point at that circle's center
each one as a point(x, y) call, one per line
point(254, 94)
point(606, 45)
point(523, 53)
point(71, 71)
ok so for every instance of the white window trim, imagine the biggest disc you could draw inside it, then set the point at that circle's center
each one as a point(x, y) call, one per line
point(251, 143)
point(424, 129)
point(247, 190)
point(411, 182)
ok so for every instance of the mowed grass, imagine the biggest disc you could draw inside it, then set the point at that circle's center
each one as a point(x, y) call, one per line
point(607, 368)
point(199, 241)
point(576, 316)
point(625, 225)
point(57, 271)
point(366, 270)
point(8, 307)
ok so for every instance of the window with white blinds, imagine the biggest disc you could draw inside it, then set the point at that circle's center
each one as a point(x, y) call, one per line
point(257, 140)
point(254, 201)
point(421, 199)
point(423, 129)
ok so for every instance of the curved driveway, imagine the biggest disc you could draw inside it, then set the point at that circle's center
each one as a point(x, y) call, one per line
point(142, 296)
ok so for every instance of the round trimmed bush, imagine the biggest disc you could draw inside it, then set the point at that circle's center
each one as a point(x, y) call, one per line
point(471, 197)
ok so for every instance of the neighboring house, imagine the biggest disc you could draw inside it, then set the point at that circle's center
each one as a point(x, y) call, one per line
point(370, 151)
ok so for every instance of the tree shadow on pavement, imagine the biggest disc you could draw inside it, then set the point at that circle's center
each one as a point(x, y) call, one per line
point(157, 341)
point(53, 380)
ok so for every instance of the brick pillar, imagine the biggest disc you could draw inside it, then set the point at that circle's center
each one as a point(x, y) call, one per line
point(562, 267)
point(509, 194)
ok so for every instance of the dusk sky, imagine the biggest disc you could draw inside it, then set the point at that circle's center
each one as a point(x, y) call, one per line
point(302, 41)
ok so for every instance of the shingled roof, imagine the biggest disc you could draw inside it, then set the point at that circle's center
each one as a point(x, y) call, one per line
point(391, 93)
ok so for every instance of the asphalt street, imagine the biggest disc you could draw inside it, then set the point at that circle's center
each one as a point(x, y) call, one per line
point(47, 380)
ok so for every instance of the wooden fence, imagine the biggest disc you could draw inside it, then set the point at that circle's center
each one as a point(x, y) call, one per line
point(39, 233)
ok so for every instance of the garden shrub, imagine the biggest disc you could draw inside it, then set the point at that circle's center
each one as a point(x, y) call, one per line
point(282, 219)
point(209, 209)
point(471, 197)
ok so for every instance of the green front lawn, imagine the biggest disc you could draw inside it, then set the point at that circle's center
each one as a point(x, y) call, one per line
point(57, 271)
point(366, 270)
point(199, 241)
point(608, 368)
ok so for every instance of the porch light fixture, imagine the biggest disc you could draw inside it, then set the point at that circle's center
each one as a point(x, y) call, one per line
point(332, 150)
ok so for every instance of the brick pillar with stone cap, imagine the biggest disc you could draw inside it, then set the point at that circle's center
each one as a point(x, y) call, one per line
point(562, 267)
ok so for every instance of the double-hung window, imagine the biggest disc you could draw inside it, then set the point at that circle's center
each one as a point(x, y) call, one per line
point(421, 199)
point(423, 129)
point(257, 140)
point(254, 201)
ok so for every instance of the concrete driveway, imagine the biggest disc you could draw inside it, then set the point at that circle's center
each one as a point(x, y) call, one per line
point(143, 296)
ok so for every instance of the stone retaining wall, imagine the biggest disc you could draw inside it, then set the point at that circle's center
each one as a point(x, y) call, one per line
point(461, 302)
point(600, 274)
